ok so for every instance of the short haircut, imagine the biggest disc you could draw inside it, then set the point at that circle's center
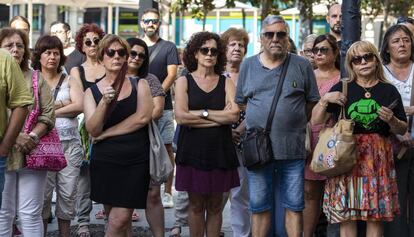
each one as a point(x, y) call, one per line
point(151, 10)
point(385, 55)
point(334, 45)
point(106, 42)
point(309, 39)
point(331, 5)
point(9, 32)
point(19, 18)
point(194, 44)
point(82, 33)
point(235, 34)
point(143, 70)
point(44, 43)
point(66, 26)
point(273, 19)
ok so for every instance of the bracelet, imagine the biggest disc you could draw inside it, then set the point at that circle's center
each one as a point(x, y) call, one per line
point(322, 104)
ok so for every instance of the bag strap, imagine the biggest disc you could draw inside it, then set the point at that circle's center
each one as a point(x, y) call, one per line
point(345, 92)
point(410, 119)
point(157, 49)
point(277, 93)
point(57, 88)
point(36, 108)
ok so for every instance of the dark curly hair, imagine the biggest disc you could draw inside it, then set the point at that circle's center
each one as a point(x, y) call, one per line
point(9, 32)
point(44, 43)
point(143, 70)
point(82, 32)
point(194, 44)
point(385, 54)
point(334, 45)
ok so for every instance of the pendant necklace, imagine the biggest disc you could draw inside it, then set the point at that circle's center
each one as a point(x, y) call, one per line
point(367, 92)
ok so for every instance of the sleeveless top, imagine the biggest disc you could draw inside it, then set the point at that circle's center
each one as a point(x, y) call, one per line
point(127, 149)
point(206, 148)
point(85, 83)
point(67, 128)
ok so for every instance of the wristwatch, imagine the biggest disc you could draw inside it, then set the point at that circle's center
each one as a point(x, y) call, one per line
point(204, 114)
point(34, 136)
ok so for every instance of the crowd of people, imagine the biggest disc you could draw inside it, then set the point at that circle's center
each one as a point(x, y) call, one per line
point(101, 94)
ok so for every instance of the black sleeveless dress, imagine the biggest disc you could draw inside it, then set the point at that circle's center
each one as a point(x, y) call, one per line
point(206, 157)
point(119, 165)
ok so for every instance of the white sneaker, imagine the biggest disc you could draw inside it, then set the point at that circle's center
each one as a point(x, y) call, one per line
point(167, 201)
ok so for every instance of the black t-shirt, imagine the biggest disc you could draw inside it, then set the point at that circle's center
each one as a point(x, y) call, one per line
point(168, 55)
point(364, 110)
point(74, 59)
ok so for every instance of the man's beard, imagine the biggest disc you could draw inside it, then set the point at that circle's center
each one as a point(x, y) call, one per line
point(336, 29)
point(151, 33)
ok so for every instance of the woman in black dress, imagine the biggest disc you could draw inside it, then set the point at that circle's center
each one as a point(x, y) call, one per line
point(120, 156)
point(205, 108)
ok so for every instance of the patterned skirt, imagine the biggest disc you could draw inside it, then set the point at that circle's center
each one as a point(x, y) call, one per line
point(369, 191)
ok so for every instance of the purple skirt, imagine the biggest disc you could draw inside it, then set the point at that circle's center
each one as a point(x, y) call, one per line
point(190, 179)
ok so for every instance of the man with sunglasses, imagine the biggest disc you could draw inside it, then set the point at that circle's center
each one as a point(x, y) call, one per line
point(74, 58)
point(258, 79)
point(163, 62)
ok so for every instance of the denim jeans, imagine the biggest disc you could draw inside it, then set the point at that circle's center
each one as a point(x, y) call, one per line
point(3, 162)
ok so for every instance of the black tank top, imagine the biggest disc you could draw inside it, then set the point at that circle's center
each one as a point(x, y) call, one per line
point(85, 83)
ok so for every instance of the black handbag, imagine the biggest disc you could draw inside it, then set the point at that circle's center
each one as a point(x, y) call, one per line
point(257, 147)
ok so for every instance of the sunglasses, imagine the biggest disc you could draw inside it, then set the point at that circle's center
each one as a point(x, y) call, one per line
point(134, 54)
point(205, 50)
point(323, 50)
point(403, 19)
point(111, 52)
point(271, 34)
point(89, 42)
point(154, 21)
point(357, 60)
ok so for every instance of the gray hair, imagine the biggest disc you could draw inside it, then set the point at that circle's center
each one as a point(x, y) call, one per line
point(309, 38)
point(273, 19)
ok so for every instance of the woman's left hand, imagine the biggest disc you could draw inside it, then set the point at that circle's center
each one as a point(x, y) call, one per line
point(24, 143)
point(385, 114)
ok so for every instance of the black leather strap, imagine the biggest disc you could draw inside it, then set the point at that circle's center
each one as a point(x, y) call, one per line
point(277, 93)
point(62, 77)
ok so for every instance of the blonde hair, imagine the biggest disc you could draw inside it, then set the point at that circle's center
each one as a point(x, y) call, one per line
point(106, 42)
point(356, 49)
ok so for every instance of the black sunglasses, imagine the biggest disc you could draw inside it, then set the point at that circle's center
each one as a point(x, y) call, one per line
point(357, 60)
point(271, 34)
point(89, 42)
point(323, 50)
point(154, 21)
point(404, 19)
point(134, 54)
point(111, 52)
point(206, 50)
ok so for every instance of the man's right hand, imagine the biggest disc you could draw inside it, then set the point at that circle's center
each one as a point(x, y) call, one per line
point(406, 139)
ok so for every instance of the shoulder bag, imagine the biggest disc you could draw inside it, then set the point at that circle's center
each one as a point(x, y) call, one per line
point(48, 154)
point(335, 153)
point(256, 145)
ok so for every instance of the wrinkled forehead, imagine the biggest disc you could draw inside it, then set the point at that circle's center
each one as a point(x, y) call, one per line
point(150, 15)
point(277, 26)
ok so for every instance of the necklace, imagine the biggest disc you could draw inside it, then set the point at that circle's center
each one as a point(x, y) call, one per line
point(367, 92)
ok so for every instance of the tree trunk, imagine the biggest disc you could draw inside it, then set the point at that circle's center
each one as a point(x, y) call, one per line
point(265, 9)
point(244, 18)
point(351, 21)
point(205, 12)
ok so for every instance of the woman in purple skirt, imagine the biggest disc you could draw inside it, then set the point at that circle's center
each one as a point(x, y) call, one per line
point(205, 108)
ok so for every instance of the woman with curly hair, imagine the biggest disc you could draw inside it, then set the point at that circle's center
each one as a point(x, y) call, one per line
point(88, 73)
point(206, 158)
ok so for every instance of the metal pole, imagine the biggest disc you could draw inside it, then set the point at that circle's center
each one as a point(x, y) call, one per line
point(351, 21)
point(30, 19)
point(117, 20)
point(110, 18)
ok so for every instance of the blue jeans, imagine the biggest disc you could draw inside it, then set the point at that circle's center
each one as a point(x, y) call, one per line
point(3, 162)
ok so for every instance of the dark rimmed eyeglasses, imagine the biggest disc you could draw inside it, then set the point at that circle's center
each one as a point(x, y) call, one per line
point(111, 52)
point(271, 34)
point(357, 60)
point(147, 21)
point(134, 54)
point(323, 50)
point(205, 50)
point(88, 42)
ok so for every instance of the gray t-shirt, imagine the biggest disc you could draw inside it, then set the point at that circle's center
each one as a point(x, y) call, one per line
point(256, 87)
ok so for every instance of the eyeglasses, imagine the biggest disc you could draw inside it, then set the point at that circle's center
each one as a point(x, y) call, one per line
point(89, 42)
point(308, 51)
point(357, 60)
point(111, 52)
point(323, 50)
point(271, 34)
point(134, 54)
point(404, 19)
point(147, 21)
point(206, 50)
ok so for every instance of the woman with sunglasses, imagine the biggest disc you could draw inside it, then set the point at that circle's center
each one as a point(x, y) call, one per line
point(48, 58)
point(138, 64)
point(205, 109)
point(117, 110)
point(397, 55)
point(368, 192)
point(87, 40)
point(24, 188)
point(326, 57)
